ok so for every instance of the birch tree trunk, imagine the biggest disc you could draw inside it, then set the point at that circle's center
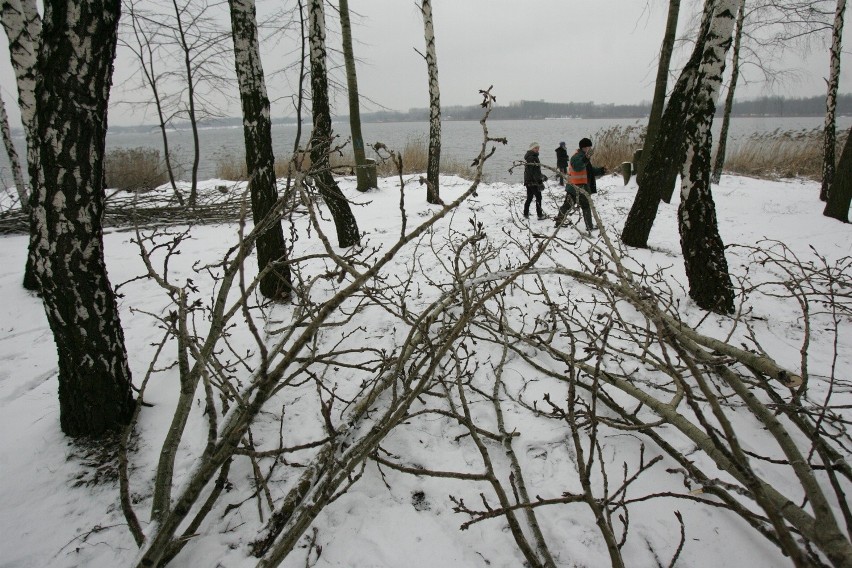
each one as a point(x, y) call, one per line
point(22, 25)
point(661, 85)
point(433, 164)
point(721, 147)
point(662, 161)
point(830, 141)
point(365, 180)
point(260, 161)
point(703, 251)
point(12, 153)
point(74, 74)
point(840, 193)
point(344, 221)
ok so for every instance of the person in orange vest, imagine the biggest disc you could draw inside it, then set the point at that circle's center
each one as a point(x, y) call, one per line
point(533, 180)
point(581, 174)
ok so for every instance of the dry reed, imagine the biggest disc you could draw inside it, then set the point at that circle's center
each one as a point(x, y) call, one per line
point(780, 154)
point(134, 169)
point(775, 154)
point(415, 156)
point(615, 145)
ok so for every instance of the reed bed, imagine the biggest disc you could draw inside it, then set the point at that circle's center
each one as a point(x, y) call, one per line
point(780, 154)
point(415, 156)
point(776, 154)
point(616, 144)
point(772, 155)
point(134, 169)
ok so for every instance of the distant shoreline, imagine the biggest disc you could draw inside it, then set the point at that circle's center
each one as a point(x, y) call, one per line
point(765, 107)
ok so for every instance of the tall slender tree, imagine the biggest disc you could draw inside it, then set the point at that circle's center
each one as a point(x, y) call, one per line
point(661, 84)
point(187, 49)
point(12, 153)
point(362, 172)
point(260, 161)
point(840, 193)
point(22, 24)
point(703, 250)
point(74, 76)
point(146, 52)
point(433, 163)
point(722, 144)
point(663, 159)
point(830, 132)
point(344, 220)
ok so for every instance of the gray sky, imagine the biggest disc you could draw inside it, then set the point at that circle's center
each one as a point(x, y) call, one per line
point(555, 50)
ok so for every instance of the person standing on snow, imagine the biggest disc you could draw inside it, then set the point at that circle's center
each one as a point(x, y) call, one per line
point(581, 174)
point(533, 180)
point(562, 161)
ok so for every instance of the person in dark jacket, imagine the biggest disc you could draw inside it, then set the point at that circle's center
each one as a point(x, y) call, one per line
point(581, 174)
point(562, 161)
point(533, 180)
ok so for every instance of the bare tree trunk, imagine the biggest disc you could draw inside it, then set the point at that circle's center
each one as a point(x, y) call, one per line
point(661, 85)
point(721, 147)
point(829, 154)
point(362, 172)
point(75, 66)
point(665, 157)
point(144, 52)
point(433, 164)
point(186, 48)
point(703, 251)
point(260, 161)
point(22, 25)
point(344, 221)
point(840, 193)
point(14, 162)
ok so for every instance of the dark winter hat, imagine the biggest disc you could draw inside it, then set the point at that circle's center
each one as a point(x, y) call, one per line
point(562, 144)
point(585, 143)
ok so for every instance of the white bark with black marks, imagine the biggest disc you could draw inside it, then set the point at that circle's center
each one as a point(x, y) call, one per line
point(433, 164)
point(703, 250)
point(721, 147)
point(260, 160)
point(74, 77)
point(829, 154)
point(22, 25)
point(321, 138)
point(12, 153)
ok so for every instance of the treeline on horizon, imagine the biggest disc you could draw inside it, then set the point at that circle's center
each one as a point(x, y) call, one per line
point(537, 110)
point(771, 106)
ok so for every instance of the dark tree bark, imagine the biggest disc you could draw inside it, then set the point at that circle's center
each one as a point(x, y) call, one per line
point(260, 161)
point(364, 179)
point(840, 193)
point(344, 221)
point(829, 155)
point(74, 74)
point(433, 163)
point(721, 147)
point(667, 154)
point(660, 86)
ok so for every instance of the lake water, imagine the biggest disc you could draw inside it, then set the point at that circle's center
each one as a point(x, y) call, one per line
point(461, 140)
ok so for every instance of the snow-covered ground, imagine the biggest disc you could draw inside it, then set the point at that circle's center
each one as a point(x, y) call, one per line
point(57, 509)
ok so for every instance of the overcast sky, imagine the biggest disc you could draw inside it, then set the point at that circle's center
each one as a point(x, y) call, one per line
point(554, 50)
